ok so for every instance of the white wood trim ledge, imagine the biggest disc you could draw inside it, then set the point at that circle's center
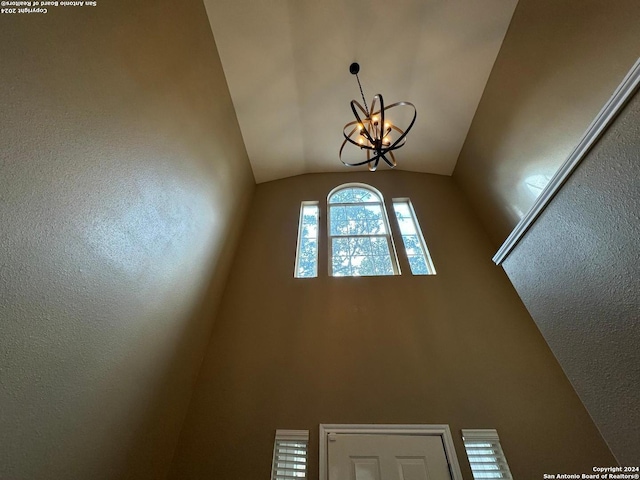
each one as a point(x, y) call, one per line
point(618, 100)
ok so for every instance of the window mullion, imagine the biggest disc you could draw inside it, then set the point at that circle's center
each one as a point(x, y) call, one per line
point(373, 235)
point(352, 204)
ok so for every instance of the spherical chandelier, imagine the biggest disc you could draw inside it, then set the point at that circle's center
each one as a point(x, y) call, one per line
point(373, 132)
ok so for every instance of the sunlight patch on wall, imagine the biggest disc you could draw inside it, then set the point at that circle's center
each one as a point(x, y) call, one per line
point(156, 224)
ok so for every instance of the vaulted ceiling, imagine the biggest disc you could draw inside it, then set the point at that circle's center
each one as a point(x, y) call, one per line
point(287, 67)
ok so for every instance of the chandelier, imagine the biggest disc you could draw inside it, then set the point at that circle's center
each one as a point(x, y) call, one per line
point(373, 132)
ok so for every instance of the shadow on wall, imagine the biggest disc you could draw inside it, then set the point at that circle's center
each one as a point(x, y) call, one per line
point(156, 430)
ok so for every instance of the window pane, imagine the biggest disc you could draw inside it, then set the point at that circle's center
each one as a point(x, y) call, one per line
point(356, 220)
point(360, 266)
point(307, 254)
point(338, 220)
point(412, 244)
point(406, 225)
point(361, 246)
point(379, 246)
point(309, 231)
point(402, 209)
point(308, 248)
point(383, 265)
point(375, 219)
point(340, 247)
point(418, 265)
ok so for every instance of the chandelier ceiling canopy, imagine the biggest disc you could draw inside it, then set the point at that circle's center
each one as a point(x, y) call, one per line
point(373, 131)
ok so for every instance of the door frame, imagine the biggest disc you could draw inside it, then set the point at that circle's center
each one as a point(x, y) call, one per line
point(420, 430)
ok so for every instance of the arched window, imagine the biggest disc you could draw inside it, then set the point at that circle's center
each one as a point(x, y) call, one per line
point(360, 242)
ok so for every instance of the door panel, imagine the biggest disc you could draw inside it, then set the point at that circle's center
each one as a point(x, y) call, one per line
point(387, 457)
point(412, 468)
point(366, 468)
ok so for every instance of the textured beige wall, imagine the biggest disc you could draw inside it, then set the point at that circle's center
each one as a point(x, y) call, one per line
point(559, 63)
point(123, 183)
point(578, 271)
point(457, 348)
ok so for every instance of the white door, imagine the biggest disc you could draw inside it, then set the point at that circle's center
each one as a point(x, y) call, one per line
point(387, 457)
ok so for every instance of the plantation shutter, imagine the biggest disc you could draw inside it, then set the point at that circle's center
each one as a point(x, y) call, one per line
point(290, 455)
point(485, 454)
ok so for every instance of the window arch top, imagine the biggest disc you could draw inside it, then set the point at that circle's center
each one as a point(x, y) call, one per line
point(354, 194)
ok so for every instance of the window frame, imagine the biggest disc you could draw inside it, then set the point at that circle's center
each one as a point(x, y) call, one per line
point(431, 269)
point(307, 203)
point(395, 265)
